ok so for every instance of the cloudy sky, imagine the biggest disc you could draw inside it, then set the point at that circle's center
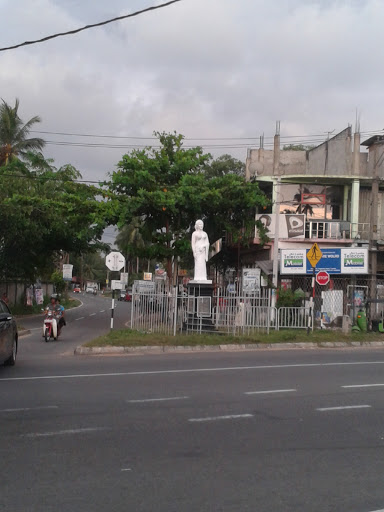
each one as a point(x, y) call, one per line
point(209, 69)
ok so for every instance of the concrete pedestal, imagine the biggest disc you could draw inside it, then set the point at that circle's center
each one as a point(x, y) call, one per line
point(200, 307)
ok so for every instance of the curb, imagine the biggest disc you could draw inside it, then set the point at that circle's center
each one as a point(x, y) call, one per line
point(154, 349)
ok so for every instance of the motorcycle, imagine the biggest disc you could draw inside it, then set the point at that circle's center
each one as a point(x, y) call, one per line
point(50, 329)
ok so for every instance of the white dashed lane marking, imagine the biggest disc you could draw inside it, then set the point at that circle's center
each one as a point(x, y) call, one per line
point(217, 418)
point(157, 399)
point(342, 407)
point(80, 318)
point(270, 391)
point(21, 409)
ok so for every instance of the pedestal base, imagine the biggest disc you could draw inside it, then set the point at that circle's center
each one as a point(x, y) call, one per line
point(200, 307)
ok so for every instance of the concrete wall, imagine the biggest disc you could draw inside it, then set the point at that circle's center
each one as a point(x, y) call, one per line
point(16, 291)
point(333, 157)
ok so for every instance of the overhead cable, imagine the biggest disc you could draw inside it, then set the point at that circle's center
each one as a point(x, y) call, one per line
point(86, 27)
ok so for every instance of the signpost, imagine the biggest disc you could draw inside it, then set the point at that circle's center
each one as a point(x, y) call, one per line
point(322, 278)
point(314, 256)
point(115, 261)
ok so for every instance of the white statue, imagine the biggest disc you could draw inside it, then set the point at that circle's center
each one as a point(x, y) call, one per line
point(200, 248)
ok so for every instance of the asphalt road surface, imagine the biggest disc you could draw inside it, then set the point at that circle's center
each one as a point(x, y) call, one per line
point(256, 431)
point(84, 323)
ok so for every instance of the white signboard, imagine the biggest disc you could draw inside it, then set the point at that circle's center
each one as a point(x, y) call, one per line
point(293, 261)
point(251, 280)
point(124, 277)
point(144, 286)
point(67, 272)
point(116, 285)
point(291, 225)
point(354, 261)
point(115, 261)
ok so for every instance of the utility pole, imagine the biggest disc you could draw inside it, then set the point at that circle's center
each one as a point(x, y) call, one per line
point(276, 209)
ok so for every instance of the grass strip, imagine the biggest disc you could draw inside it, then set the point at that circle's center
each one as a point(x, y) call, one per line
point(130, 338)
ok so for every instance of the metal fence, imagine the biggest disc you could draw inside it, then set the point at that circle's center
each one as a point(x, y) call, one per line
point(222, 313)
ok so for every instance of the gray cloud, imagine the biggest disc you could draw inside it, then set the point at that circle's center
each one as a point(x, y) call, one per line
point(206, 68)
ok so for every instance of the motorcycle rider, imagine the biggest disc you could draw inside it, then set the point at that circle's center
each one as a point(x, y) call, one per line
point(54, 307)
point(62, 321)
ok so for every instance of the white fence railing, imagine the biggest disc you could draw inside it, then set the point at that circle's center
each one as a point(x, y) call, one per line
point(293, 318)
point(170, 313)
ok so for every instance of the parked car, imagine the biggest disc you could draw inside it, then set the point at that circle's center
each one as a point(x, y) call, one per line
point(8, 336)
point(77, 289)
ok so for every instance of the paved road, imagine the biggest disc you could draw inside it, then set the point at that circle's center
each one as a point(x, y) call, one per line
point(84, 323)
point(267, 431)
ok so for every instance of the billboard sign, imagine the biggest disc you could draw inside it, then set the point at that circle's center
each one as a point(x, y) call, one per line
point(291, 225)
point(251, 280)
point(333, 261)
point(293, 261)
point(354, 261)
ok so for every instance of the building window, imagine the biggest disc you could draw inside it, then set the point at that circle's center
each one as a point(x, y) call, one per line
point(315, 201)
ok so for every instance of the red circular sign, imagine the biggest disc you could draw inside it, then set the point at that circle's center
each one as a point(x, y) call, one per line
point(322, 277)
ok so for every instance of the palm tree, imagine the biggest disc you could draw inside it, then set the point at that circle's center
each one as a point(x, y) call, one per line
point(14, 141)
point(130, 241)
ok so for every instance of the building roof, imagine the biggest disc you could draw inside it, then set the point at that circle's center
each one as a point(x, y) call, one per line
point(375, 139)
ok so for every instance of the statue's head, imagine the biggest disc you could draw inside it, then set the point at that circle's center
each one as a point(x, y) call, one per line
point(199, 224)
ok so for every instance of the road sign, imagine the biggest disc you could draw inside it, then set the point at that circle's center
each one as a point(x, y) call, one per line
point(124, 277)
point(314, 255)
point(322, 278)
point(67, 272)
point(115, 261)
point(116, 285)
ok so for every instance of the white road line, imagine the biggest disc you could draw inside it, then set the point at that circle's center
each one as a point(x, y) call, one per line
point(381, 510)
point(364, 386)
point(80, 318)
point(157, 399)
point(270, 391)
point(30, 408)
point(340, 408)
point(102, 311)
point(215, 418)
point(64, 432)
point(126, 469)
point(92, 314)
point(193, 370)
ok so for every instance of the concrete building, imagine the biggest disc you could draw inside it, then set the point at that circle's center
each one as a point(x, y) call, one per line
point(332, 194)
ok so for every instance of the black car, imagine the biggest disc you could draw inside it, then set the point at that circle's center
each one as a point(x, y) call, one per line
point(8, 336)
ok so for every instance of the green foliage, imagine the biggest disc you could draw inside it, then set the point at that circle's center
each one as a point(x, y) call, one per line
point(162, 192)
point(297, 147)
point(225, 164)
point(58, 281)
point(14, 134)
point(44, 212)
point(289, 298)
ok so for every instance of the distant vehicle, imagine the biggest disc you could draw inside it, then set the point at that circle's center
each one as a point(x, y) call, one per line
point(125, 296)
point(8, 336)
point(77, 289)
point(91, 287)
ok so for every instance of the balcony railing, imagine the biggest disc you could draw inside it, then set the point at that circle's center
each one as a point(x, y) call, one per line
point(341, 230)
point(327, 230)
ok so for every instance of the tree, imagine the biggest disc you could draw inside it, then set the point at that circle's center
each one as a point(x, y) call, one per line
point(45, 211)
point(168, 189)
point(14, 140)
point(225, 164)
point(297, 147)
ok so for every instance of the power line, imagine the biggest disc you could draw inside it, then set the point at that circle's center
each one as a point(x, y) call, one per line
point(86, 27)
